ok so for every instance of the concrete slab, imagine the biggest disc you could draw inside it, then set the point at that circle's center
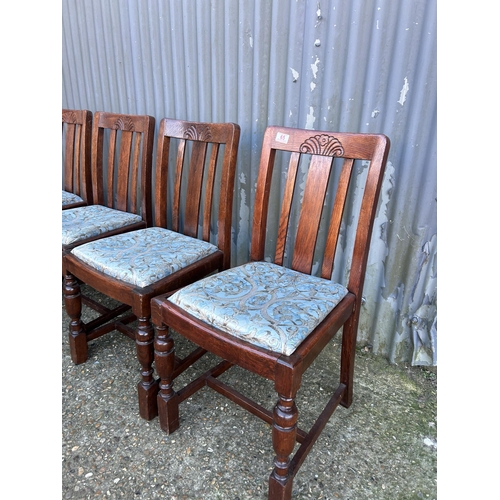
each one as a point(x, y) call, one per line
point(383, 447)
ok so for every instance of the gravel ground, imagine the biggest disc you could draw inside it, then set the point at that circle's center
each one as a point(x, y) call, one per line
point(383, 447)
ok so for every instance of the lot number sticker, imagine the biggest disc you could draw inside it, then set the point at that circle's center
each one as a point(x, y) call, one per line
point(281, 137)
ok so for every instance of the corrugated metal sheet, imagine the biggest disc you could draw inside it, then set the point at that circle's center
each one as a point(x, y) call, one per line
point(357, 66)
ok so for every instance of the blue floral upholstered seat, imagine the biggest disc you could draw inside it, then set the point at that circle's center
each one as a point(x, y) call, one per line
point(86, 222)
point(267, 305)
point(144, 256)
point(70, 198)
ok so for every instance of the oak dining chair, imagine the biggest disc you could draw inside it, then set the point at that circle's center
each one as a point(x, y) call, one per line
point(275, 314)
point(189, 239)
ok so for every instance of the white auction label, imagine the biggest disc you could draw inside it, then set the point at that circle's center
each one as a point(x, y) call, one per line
point(283, 138)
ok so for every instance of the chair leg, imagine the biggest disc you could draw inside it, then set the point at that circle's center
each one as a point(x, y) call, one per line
point(73, 303)
point(348, 353)
point(168, 403)
point(148, 386)
point(284, 436)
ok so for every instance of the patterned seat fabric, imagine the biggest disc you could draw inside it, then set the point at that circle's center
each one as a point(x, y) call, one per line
point(86, 222)
point(69, 198)
point(145, 256)
point(262, 303)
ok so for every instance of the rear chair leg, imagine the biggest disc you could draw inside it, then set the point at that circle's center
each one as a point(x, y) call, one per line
point(348, 353)
point(148, 386)
point(73, 303)
point(168, 403)
point(284, 435)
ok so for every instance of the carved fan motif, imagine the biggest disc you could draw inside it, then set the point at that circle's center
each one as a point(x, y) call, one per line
point(69, 117)
point(323, 144)
point(124, 124)
point(200, 133)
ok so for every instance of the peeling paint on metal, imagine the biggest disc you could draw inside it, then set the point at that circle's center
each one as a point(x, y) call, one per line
point(314, 67)
point(319, 17)
point(310, 119)
point(244, 214)
point(295, 74)
point(404, 91)
point(424, 303)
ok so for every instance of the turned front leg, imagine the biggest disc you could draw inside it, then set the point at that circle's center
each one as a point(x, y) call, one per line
point(73, 303)
point(168, 404)
point(285, 417)
point(148, 386)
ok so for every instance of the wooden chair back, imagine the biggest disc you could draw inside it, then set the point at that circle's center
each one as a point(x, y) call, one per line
point(203, 156)
point(122, 155)
point(321, 148)
point(77, 137)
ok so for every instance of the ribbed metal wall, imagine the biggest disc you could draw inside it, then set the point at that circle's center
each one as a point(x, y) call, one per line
point(340, 65)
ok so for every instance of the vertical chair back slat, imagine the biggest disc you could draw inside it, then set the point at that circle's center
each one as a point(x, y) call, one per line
point(286, 207)
point(135, 171)
point(161, 180)
point(71, 166)
point(336, 218)
point(97, 165)
point(194, 188)
point(110, 198)
point(122, 182)
point(261, 203)
point(177, 185)
point(207, 209)
point(77, 164)
point(312, 207)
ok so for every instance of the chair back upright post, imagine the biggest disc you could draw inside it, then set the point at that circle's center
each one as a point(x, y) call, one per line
point(128, 157)
point(77, 136)
point(192, 213)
